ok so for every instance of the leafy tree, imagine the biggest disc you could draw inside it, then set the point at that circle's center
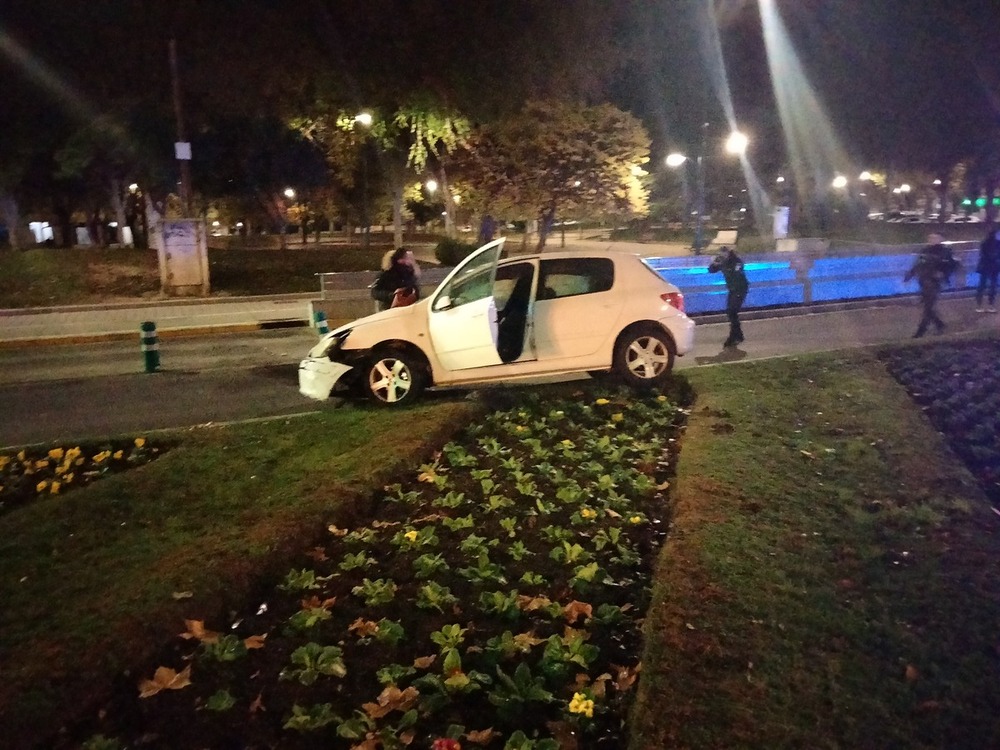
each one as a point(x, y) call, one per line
point(555, 158)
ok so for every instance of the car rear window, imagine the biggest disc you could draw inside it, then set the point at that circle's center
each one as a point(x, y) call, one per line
point(568, 277)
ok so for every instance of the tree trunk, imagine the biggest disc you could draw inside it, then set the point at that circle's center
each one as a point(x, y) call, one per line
point(12, 218)
point(449, 205)
point(397, 215)
point(118, 206)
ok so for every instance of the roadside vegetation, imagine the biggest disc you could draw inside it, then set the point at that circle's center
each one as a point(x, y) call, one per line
point(826, 580)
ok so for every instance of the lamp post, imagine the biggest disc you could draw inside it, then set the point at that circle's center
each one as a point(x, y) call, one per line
point(365, 120)
point(674, 161)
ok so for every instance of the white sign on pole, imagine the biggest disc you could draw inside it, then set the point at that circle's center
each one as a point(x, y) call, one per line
point(182, 151)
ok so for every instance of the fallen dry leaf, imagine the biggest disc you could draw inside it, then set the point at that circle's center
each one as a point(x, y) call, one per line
point(574, 610)
point(384, 524)
point(318, 554)
point(196, 630)
point(392, 699)
point(257, 706)
point(482, 736)
point(178, 595)
point(314, 602)
point(424, 662)
point(255, 641)
point(165, 678)
point(524, 641)
point(336, 531)
point(363, 628)
point(625, 677)
point(531, 603)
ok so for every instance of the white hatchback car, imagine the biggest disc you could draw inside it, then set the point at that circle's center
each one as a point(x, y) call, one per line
point(498, 319)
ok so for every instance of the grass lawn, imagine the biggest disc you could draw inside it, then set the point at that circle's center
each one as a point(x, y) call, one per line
point(827, 579)
point(44, 277)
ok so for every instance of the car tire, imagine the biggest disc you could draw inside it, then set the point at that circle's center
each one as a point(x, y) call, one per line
point(393, 377)
point(644, 357)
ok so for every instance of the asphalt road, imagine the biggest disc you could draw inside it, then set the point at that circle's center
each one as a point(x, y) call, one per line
point(72, 392)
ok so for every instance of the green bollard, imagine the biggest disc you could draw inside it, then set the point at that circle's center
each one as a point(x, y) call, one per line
point(150, 346)
point(322, 327)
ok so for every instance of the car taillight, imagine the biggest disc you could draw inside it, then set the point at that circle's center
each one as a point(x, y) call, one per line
point(674, 298)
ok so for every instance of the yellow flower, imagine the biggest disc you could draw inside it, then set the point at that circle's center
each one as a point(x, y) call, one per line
point(581, 704)
point(635, 519)
point(79, 462)
point(588, 513)
point(54, 488)
point(520, 428)
point(101, 457)
point(4, 460)
point(21, 456)
point(661, 398)
point(602, 402)
point(56, 454)
point(410, 536)
point(567, 442)
point(118, 455)
point(139, 442)
point(41, 463)
point(617, 417)
point(68, 478)
point(40, 487)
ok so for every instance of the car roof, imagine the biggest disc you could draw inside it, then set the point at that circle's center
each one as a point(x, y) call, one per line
point(563, 253)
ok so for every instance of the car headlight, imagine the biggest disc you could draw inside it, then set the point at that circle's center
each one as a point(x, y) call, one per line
point(330, 344)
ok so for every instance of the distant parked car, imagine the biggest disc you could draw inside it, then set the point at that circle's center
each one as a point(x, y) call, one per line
point(496, 319)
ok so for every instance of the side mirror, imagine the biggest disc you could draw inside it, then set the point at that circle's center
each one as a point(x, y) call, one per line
point(442, 303)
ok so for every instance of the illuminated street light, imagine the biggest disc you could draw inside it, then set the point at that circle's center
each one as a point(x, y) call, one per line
point(364, 118)
point(780, 179)
point(133, 187)
point(865, 176)
point(904, 188)
point(840, 182)
point(289, 193)
point(937, 182)
point(737, 143)
point(674, 160)
point(431, 186)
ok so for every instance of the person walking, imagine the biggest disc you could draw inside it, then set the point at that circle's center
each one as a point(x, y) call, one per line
point(932, 269)
point(988, 269)
point(397, 285)
point(737, 286)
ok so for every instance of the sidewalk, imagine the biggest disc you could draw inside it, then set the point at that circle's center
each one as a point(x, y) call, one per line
point(173, 317)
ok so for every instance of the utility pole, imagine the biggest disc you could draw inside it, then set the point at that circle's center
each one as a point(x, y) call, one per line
point(182, 148)
point(699, 230)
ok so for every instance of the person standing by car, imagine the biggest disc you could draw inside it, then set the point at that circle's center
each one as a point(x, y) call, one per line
point(932, 269)
point(737, 286)
point(397, 285)
point(988, 268)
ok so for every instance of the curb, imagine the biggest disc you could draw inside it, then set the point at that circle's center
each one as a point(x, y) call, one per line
point(163, 334)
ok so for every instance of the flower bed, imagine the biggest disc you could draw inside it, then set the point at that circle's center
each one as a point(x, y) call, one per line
point(37, 472)
point(495, 601)
point(958, 386)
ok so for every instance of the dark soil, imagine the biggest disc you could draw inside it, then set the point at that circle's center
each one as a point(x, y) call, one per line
point(958, 387)
point(492, 523)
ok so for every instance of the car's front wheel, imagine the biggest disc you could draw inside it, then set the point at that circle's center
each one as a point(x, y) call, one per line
point(644, 357)
point(393, 377)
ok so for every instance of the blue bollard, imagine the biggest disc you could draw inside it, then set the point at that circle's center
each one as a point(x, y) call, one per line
point(150, 346)
point(322, 327)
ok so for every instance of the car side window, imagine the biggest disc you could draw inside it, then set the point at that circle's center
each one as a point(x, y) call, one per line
point(474, 281)
point(569, 277)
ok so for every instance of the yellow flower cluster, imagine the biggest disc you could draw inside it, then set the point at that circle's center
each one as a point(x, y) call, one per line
point(588, 513)
point(581, 704)
point(410, 536)
point(602, 402)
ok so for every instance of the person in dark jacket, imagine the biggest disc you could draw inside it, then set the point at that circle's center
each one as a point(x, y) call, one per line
point(398, 282)
point(731, 266)
point(988, 268)
point(932, 269)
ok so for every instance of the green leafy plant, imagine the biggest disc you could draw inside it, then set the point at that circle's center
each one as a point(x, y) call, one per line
point(308, 618)
point(509, 525)
point(393, 674)
point(519, 551)
point(311, 661)
point(390, 632)
point(427, 565)
point(569, 553)
point(458, 456)
point(513, 694)
point(379, 591)
point(533, 579)
point(301, 580)
point(227, 648)
point(311, 718)
point(457, 524)
point(433, 595)
point(353, 561)
point(451, 500)
point(501, 603)
point(220, 700)
point(520, 741)
point(100, 742)
point(484, 570)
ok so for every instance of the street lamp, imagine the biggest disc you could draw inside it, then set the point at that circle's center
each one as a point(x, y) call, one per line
point(432, 186)
point(364, 119)
point(674, 161)
point(289, 193)
point(737, 143)
point(839, 182)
